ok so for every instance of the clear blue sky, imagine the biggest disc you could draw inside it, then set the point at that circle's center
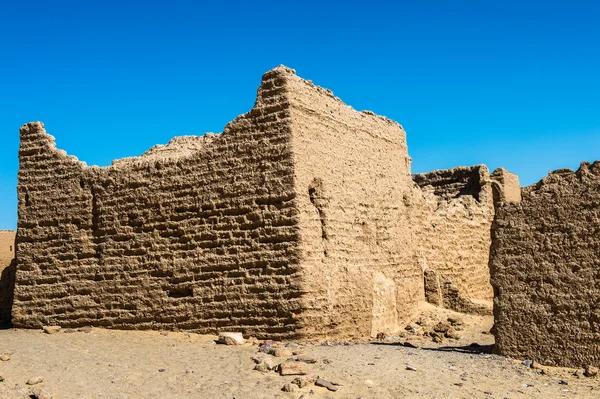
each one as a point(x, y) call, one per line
point(505, 83)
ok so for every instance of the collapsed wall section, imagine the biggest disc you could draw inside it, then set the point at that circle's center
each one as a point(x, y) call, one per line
point(545, 270)
point(356, 199)
point(199, 235)
point(7, 275)
point(455, 235)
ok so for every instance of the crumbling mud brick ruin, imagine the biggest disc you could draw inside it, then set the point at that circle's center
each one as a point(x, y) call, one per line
point(454, 239)
point(7, 274)
point(545, 263)
point(301, 219)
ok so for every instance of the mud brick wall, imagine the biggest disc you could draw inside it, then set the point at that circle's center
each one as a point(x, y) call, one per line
point(455, 237)
point(200, 234)
point(545, 267)
point(7, 274)
point(355, 198)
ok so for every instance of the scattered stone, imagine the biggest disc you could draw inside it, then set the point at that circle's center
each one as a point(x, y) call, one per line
point(85, 329)
point(411, 368)
point(262, 367)
point(162, 370)
point(289, 388)
point(292, 345)
point(527, 363)
point(591, 371)
point(441, 327)
point(4, 358)
point(563, 382)
point(257, 359)
point(39, 393)
point(410, 345)
point(327, 361)
point(164, 333)
point(266, 365)
point(265, 346)
point(455, 321)
point(1, 378)
point(271, 363)
point(69, 331)
point(304, 359)
point(231, 338)
point(326, 384)
point(301, 382)
point(280, 352)
point(452, 334)
point(51, 329)
point(34, 380)
point(369, 383)
point(437, 338)
point(291, 368)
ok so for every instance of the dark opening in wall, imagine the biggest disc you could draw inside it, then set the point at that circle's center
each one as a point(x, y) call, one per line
point(179, 292)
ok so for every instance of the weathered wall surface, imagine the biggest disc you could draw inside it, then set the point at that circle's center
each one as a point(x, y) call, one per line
point(201, 234)
point(7, 274)
point(455, 235)
point(545, 267)
point(300, 219)
point(355, 198)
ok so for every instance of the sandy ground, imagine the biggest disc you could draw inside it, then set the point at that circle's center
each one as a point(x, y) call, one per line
point(135, 364)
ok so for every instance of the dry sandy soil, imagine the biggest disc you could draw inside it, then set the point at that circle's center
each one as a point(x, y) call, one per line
point(151, 364)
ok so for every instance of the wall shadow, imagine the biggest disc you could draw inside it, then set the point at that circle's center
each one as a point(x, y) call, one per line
point(474, 348)
point(7, 290)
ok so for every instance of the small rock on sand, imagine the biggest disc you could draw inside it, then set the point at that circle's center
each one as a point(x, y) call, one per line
point(291, 368)
point(303, 381)
point(86, 329)
point(266, 365)
point(39, 393)
point(265, 346)
point(591, 371)
point(262, 367)
point(34, 380)
point(4, 358)
point(289, 388)
point(305, 359)
point(51, 329)
point(326, 384)
point(231, 338)
point(280, 352)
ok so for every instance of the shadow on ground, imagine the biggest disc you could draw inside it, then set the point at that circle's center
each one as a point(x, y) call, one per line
point(473, 348)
